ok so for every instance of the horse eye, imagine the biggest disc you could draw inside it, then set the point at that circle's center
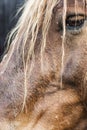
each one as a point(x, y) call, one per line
point(75, 21)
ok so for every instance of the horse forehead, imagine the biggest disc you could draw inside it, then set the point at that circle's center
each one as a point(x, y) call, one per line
point(75, 2)
point(72, 2)
point(72, 5)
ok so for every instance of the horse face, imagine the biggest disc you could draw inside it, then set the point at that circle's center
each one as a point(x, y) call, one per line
point(56, 94)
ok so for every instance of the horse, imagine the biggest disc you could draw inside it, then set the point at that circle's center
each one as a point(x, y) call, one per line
point(43, 75)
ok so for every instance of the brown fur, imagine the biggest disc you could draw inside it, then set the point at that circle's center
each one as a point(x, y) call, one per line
point(41, 103)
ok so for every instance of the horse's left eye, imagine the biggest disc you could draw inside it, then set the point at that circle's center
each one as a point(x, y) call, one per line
point(75, 21)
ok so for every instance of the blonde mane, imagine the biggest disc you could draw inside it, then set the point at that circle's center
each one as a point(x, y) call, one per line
point(36, 15)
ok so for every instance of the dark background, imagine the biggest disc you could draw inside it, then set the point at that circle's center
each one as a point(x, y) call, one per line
point(8, 19)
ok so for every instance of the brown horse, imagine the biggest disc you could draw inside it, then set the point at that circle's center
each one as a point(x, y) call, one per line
point(43, 77)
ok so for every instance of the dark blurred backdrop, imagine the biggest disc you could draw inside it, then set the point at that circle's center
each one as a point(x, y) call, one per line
point(8, 19)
